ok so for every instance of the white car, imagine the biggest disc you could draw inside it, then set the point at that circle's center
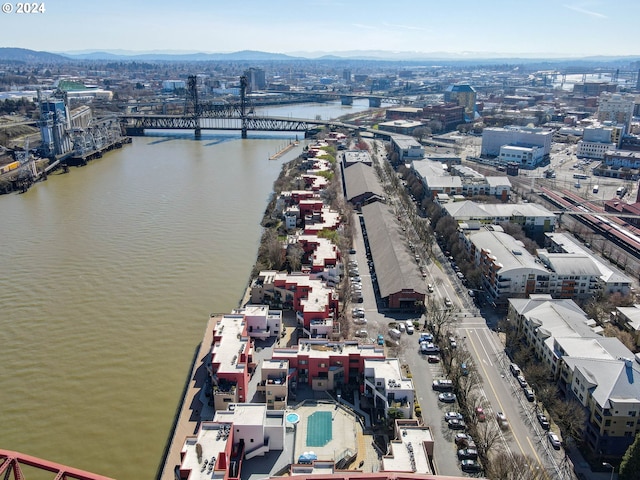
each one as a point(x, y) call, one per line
point(554, 440)
point(410, 327)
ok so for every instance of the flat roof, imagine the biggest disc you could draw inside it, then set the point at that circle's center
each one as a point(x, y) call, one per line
point(226, 351)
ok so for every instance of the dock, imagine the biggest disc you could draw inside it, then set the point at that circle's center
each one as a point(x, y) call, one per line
point(277, 155)
point(191, 411)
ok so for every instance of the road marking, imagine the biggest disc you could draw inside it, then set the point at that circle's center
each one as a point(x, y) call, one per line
point(495, 394)
point(485, 351)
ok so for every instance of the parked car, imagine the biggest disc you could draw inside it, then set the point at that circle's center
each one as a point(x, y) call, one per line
point(430, 288)
point(425, 337)
point(453, 415)
point(470, 466)
point(501, 418)
point(515, 370)
point(455, 424)
point(447, 303)
point(357, 312)
point(543, 421)
point(468, 453)
point(442, 385)
point(360, 321)
point(447, 397)
point(429, 348)
point(452, 342)
point(462, 439)
point(401, 327)
point(380, 340)
point(410, 327)
point(521, 381)
point(362, 333)
point(433, 358)
point(464, 368)
point(480, 415)
point(529, 395)
point(554, 440)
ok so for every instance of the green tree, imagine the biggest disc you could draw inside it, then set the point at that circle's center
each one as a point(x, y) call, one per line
point(630, 465)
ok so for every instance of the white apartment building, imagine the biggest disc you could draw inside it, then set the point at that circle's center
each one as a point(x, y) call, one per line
point(494, 138)
point(526, 157)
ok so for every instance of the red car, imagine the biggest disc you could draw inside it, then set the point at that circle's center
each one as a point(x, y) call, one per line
point(480, 414)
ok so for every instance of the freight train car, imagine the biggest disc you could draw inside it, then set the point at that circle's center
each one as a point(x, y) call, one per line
point(8, 167)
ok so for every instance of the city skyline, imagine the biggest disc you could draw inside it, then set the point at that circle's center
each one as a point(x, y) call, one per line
point(466, 29)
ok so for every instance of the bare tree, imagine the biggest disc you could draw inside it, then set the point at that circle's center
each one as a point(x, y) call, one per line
point(294, 256)
point(570, 417)
point(505, 466)
point(273, 250)
point(440, 318)
point(487, 436)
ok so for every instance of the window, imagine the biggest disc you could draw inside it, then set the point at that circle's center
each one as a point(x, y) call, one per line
point(303, 362)
point(607, 423)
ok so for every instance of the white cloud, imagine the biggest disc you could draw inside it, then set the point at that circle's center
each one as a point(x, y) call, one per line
point(591, 13)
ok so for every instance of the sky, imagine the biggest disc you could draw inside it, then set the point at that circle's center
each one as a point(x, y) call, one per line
point(540, 28)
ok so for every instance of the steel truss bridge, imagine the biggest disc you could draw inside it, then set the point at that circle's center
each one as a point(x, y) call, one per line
point(137, 124)
point(200, 116)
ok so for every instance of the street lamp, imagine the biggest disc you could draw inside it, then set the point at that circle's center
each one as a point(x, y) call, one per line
point(607, 464)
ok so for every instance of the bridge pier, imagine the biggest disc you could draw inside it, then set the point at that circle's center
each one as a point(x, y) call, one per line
point(197, 133)
point(135, 132)
point(346, 100)
point(243, 133)
point(374, 102)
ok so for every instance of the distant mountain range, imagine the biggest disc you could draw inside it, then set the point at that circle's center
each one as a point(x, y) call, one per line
point(23, 55)
point(31, 56)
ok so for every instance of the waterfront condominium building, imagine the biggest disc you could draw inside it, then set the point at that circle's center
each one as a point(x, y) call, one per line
point(388, 387)
point(325, 365)
point(230, 362)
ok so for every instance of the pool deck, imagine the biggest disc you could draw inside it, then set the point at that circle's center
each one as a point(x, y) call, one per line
point(344, 430)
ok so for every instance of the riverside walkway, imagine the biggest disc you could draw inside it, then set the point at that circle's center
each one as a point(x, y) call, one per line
point(192, 409)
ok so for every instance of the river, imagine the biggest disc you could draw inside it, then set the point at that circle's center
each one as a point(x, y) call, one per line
point(108, 276)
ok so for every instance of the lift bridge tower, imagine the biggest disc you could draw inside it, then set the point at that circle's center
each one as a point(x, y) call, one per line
point(192, 107)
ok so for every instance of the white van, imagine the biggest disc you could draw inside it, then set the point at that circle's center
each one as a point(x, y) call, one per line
point(394, 333)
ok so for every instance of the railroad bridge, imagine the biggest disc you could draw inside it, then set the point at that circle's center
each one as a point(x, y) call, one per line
point(200, 116)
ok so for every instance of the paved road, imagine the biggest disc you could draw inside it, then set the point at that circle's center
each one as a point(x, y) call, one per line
point(503, 393)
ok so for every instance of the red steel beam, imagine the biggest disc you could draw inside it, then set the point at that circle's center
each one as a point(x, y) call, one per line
point(12, 460)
